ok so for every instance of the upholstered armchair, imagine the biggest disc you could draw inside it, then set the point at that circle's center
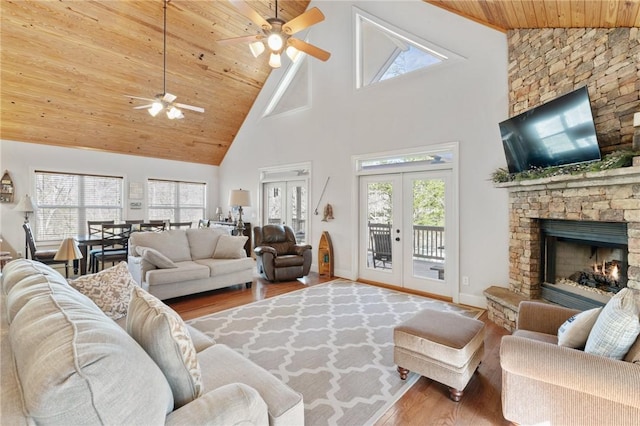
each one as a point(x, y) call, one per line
point(544, 383)
point(279, 257)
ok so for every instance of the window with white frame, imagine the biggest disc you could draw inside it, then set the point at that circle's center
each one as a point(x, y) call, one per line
point(176, 201)
point(66, 201)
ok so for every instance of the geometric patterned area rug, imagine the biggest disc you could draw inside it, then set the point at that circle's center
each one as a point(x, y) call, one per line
point(331, 342)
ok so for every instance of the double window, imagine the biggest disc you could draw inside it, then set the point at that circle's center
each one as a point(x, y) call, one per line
point(176, 201)
point(66, 201)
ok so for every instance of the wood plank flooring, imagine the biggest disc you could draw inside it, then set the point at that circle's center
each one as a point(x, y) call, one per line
point(426, 403)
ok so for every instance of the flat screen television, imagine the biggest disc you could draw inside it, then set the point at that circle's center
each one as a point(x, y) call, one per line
point(556, 133)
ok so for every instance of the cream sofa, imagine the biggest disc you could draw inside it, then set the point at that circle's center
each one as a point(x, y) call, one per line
point(190, 261)
point(544, 383)
point(65, 362)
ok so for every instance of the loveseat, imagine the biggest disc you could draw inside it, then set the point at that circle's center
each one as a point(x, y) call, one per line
point(555, 372)
point(178, 262)
point(64, 361)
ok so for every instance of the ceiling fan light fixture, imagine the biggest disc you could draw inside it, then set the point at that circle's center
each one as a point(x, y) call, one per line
point(174, 113)
point(257, 47)
point(293, 53)
point(155, 108)
point(275, 42)
point(275, 61)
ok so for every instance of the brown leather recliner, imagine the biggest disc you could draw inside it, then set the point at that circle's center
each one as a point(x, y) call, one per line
point(278, 255)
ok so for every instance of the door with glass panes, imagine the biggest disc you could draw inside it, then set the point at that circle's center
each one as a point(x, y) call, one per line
point(402, 230)
point(286, 203)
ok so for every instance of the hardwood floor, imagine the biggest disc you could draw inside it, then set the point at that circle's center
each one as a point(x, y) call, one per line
point(426, 403)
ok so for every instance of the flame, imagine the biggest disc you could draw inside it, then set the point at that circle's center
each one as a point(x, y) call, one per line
point(595, 268)
point(614, 272)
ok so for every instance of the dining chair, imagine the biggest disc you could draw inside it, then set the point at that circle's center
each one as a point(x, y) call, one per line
point(133, 221)
point(180, 225)
point(115, 244)
point(43, 256)
point(158, 226)
point(94, 228)
point(204, 223)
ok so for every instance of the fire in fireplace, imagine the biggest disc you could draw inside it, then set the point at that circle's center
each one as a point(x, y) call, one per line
point(583, 262)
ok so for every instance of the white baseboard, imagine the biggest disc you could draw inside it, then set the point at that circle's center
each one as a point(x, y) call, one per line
point(473, 300)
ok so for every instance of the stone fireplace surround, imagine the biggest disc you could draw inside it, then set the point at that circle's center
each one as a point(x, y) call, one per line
point(607, 196)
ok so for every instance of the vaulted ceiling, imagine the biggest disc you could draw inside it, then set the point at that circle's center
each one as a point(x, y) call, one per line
point(66, 66)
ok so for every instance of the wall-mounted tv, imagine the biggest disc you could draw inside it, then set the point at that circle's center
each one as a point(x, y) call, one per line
point(556, 133)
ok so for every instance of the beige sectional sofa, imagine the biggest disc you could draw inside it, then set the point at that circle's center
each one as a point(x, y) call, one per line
point(185, 261)
point(65, 362)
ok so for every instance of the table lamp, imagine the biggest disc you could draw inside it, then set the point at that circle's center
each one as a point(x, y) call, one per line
point(67, 251)
point(239, 198)
point(25, 206)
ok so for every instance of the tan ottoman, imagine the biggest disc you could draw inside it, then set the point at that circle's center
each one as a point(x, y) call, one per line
point(442, 346)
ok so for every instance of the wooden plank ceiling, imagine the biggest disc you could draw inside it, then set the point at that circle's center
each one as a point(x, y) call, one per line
point(66, 66)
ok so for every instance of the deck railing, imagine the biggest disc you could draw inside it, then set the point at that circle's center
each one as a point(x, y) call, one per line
point(428, 241)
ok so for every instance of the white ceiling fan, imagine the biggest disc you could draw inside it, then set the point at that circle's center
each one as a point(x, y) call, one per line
point(165, 101)
point(278, 32)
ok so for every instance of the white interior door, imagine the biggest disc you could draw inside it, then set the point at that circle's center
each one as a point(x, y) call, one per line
point(402, 231)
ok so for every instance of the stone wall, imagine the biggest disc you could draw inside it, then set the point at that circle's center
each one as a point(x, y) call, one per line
point(547, 63)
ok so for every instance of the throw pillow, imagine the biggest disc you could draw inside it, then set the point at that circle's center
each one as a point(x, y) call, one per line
point(230, 247)
point(617, 327)
point(110, 289)
point(575, 331)
point(156, 258)
point(165, 338)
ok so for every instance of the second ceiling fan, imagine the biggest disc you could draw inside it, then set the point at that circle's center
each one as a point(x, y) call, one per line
point(277, 34)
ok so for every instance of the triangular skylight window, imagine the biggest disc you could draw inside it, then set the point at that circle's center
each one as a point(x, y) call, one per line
point(384, 52)
point(293, 92)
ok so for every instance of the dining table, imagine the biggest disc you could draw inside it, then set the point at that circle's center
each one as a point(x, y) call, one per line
point(84, 243)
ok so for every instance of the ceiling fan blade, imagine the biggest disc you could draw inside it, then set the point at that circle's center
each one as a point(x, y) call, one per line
point(138, 97)
point(143, 106)
point(251, 13)
point(307, 19)
point(240, 39)
point(168, 97)
point(309, 49)
point(190, 107)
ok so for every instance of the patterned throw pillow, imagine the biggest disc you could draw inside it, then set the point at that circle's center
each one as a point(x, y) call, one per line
point(110, 289)
point(575, 331)
point(617, 327)
point(230, 247)
point(156, 258)
point(164, 336)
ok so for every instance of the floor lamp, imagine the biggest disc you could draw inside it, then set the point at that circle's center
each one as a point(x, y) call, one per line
point(239, 198)
point(67, 251)
point(25, 206)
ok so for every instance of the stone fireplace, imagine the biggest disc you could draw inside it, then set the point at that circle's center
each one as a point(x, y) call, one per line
point(602, 210)
point(583, 262)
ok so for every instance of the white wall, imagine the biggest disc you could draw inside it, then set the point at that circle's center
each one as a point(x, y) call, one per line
point(463, 102)
point(22, 159)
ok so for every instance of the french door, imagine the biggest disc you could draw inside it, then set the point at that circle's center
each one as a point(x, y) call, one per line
point(404, 238)
point(285, 203)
